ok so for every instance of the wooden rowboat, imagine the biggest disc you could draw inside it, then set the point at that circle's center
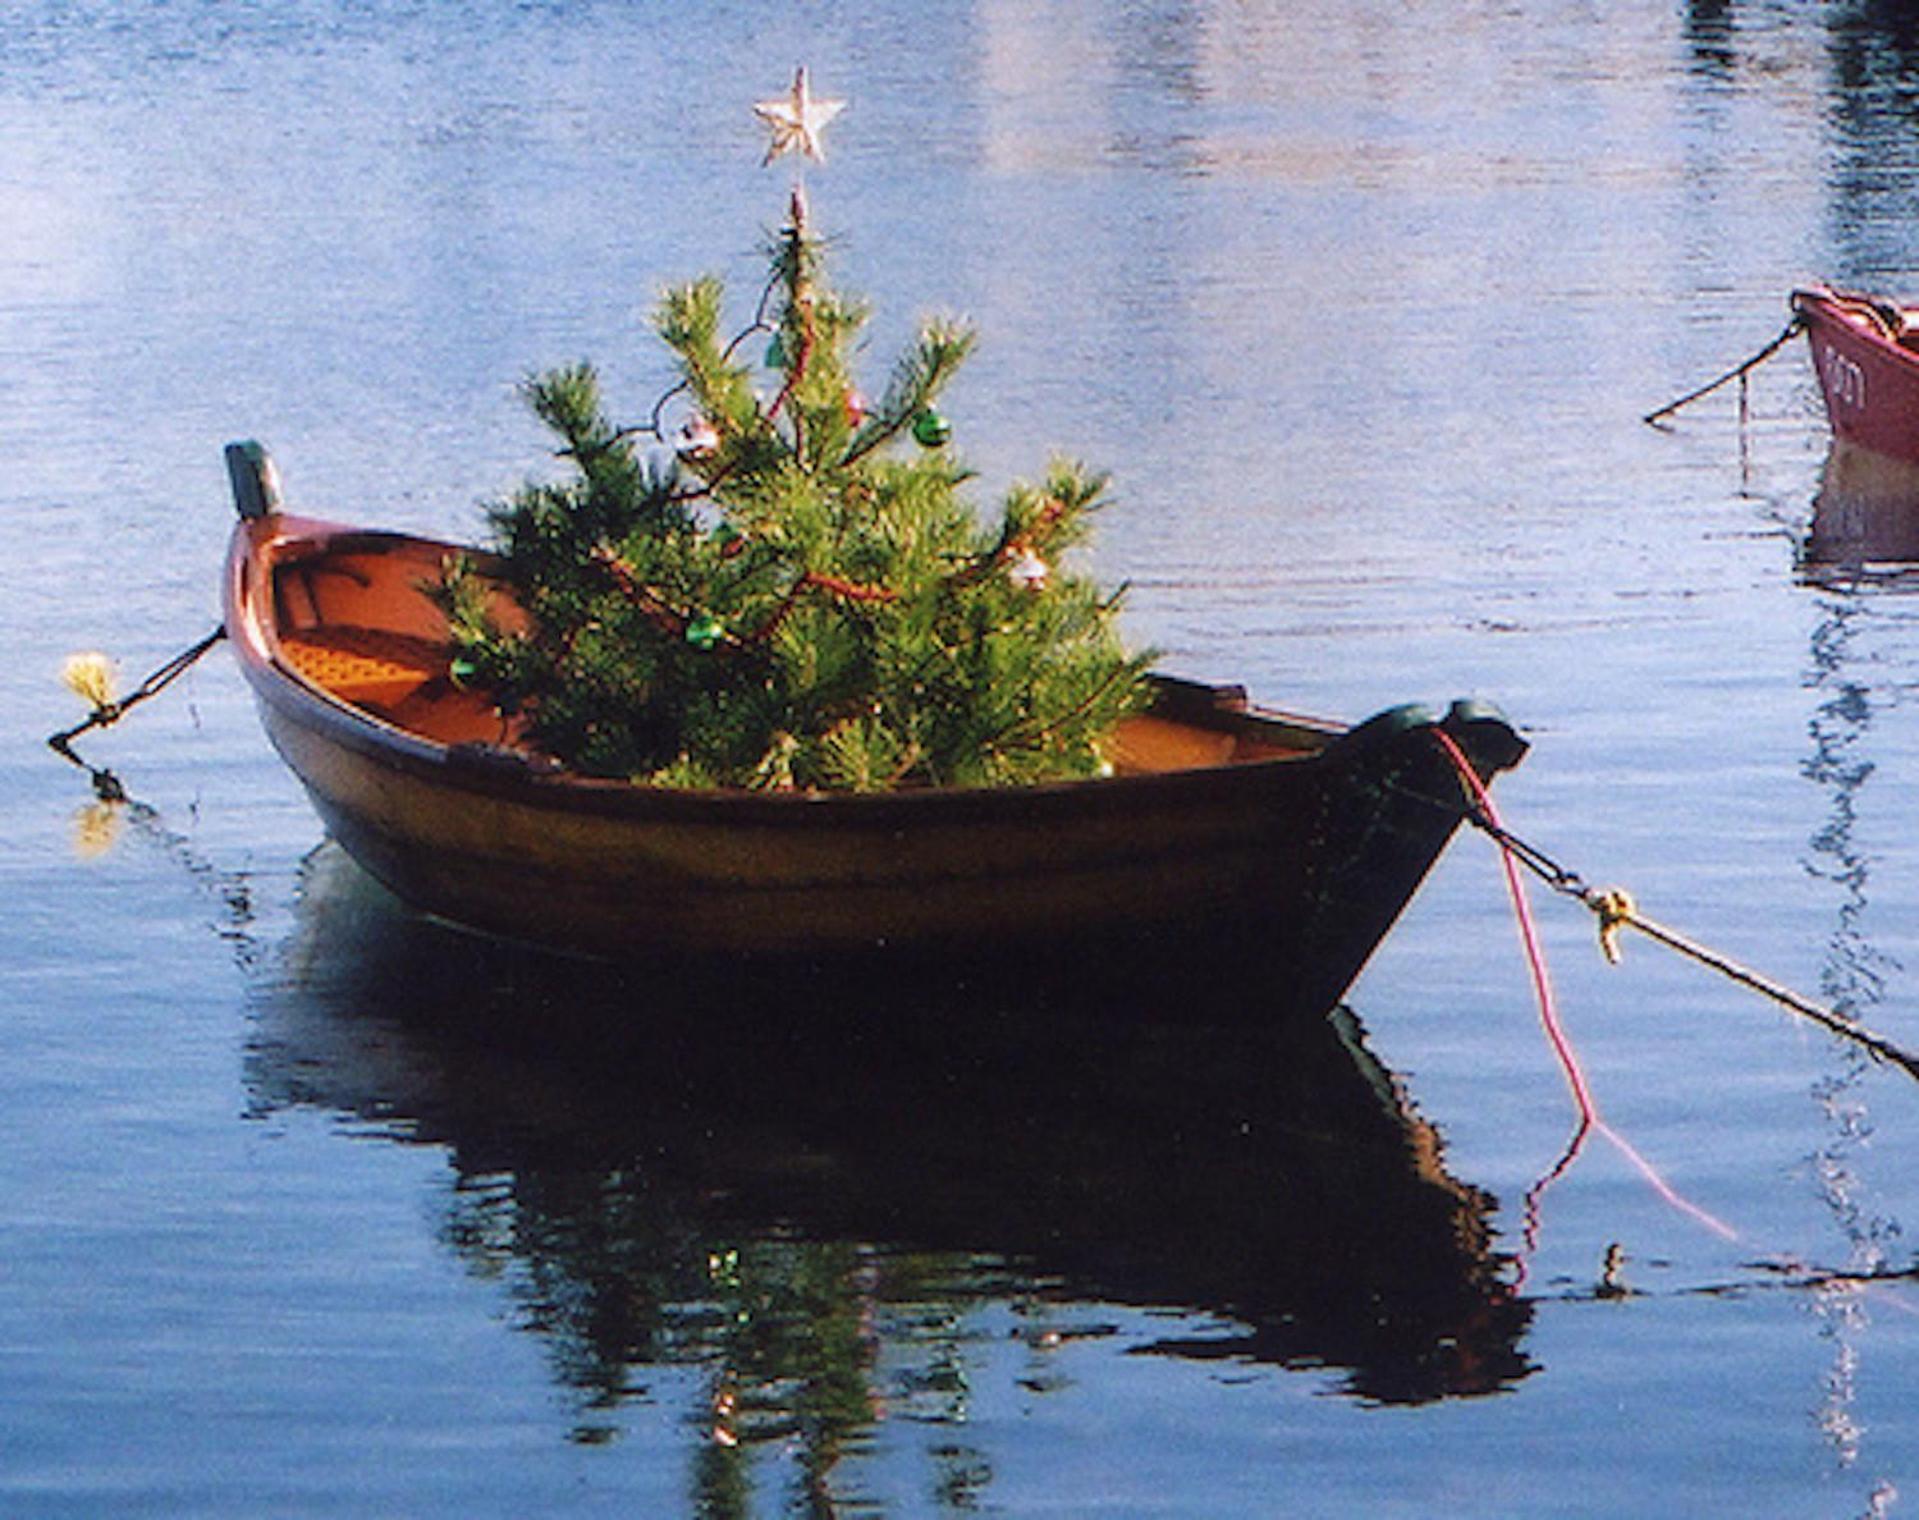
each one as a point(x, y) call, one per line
point(1242, 836)
point(1866, 353)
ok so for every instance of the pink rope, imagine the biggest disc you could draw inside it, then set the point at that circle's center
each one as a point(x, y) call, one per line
point(1589, 1117)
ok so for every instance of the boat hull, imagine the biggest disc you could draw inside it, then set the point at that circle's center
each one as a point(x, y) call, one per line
point(1868, 374)
point(1297, 864)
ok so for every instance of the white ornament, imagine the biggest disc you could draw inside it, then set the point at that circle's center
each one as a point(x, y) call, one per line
point(697, 439)
point(797, 120)
point(1028, 571)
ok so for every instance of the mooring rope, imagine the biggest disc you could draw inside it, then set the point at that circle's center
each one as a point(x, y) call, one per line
point(1616, 910)
point(1738, 372)
point(1482, 812)
point(108, 710)
point(1529, 942)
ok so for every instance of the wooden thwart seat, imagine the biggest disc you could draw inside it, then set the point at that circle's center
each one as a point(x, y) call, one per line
point(366, 666)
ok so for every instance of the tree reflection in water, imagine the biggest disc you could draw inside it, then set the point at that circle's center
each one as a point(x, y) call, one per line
point(837, 1204)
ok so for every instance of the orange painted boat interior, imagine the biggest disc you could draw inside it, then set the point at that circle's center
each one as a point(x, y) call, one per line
point(351, 618)
point(355, 622)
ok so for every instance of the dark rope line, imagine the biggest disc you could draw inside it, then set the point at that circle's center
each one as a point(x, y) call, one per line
point(109, 713)
point(1616, 910)
point(1738, 372)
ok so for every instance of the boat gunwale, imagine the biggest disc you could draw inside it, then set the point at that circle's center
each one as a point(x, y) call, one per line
point(1858, 315)
point(259, 546)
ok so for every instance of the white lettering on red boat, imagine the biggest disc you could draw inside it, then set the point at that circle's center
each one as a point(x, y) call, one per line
point(1845, 379)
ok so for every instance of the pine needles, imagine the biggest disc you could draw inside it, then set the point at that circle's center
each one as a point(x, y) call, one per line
point(795, 595)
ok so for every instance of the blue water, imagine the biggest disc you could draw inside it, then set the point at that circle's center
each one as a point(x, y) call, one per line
point(310, 1209)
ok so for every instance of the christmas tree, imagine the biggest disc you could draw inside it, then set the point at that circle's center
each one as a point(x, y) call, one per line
point(795, 593)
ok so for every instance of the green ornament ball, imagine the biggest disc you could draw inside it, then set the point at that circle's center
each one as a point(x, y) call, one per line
point(930, 429)
point(705, 631)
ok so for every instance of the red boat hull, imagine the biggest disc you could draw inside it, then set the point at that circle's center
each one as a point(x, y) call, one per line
point(1864, 353)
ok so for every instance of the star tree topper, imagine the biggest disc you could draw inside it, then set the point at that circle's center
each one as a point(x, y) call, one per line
point(797, 120)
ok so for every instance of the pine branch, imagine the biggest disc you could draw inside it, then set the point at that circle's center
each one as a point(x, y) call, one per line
point(791, 606)
point(644, 599)
point(917, 381)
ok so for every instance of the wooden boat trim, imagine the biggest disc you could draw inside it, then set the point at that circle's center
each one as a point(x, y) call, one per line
point(262, 548)
point(1289, 842)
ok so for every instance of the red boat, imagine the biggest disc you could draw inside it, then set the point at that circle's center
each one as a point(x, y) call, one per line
point(1866, 352)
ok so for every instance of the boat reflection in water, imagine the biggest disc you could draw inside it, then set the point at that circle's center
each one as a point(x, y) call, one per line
point(805, 1192)
point(1865, 516)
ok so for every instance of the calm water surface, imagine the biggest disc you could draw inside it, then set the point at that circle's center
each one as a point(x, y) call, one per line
point(309, 1208)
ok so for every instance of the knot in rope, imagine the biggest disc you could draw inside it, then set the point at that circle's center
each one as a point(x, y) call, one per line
point(90, 677)
point(1616, 910)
